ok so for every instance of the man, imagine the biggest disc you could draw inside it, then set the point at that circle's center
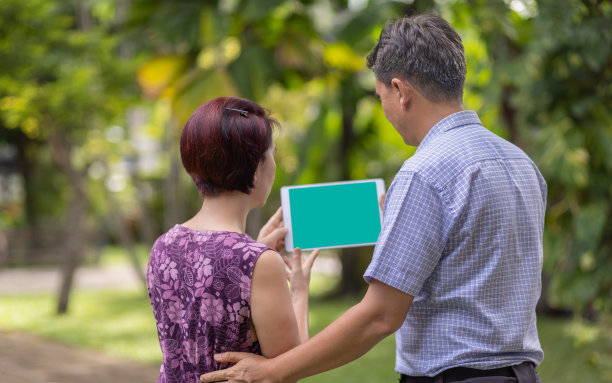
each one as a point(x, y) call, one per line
point(457, 265)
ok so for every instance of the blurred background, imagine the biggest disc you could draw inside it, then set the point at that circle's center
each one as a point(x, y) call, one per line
point(94, 94)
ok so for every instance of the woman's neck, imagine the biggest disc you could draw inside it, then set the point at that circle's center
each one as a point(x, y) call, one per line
point(223, 212)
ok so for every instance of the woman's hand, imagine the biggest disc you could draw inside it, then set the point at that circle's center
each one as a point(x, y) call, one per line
point(273, 233)
point(299, 270)
point(299, 279)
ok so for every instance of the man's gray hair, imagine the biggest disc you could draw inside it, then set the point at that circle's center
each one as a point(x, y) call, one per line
point(425, 51)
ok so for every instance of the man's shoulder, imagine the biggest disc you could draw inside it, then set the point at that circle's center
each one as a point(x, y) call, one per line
point(458, 151)
point(440, 159)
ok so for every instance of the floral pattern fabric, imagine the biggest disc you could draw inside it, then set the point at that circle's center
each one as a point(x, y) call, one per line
point(199, 284)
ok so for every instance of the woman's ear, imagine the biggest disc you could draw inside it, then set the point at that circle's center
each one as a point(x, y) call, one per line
point(404, 91)
point(255, 175)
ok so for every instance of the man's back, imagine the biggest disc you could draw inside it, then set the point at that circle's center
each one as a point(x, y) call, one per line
point(464, 220)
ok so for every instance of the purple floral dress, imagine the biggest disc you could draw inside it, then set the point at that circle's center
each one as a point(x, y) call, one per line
point(199, 285)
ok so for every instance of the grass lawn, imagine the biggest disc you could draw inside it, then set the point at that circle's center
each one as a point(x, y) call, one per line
point(120, 323)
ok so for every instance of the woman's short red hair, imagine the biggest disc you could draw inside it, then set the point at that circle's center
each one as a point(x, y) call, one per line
point(223, 142)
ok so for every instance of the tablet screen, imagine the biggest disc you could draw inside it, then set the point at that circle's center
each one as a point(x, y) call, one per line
point(332, 215)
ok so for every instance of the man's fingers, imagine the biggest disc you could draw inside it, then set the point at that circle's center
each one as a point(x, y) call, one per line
point(231, 357)
point(381, 200)
point(217, 376)
point(232, 374)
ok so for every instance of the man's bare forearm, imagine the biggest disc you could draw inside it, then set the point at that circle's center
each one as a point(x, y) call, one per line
point(378, 315)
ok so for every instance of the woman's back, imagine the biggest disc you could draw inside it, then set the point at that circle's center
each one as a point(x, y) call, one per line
point(199, 285)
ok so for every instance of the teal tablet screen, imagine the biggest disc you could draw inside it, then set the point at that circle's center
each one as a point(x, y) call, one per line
point(335, 215)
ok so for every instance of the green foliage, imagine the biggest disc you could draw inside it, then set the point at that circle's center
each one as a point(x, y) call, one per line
point(60, 81)
point(574, 351)
point(57, 76)
point(565, 101)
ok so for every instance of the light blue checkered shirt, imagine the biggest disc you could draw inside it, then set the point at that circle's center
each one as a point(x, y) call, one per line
point(462, 233)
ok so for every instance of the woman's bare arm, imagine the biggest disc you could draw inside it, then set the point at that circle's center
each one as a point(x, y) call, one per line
point(272, 310)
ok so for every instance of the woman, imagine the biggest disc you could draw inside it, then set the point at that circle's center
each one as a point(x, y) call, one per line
point(212, 287)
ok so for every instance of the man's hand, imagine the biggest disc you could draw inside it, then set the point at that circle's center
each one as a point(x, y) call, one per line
point(273, 233)
point(249, 368)
point(381, 201)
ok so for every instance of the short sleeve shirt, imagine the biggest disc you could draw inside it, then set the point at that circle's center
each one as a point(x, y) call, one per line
point(462, 233)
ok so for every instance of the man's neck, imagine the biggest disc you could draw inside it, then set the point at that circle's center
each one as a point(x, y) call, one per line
point(431, 114)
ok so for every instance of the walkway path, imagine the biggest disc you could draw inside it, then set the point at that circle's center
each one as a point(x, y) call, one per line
point(25, 358)
point(32, 280)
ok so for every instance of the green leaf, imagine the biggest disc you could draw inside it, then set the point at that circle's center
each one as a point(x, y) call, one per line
point(200, 87)
point(258, 9)
point(589, 224)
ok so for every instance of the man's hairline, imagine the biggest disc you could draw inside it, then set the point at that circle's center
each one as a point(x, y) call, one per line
point(416, 88)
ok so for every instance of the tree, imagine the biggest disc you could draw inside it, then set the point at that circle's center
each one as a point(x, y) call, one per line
point(60, 85)
point(569, 113)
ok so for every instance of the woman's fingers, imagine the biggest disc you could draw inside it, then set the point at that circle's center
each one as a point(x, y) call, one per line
point(274, 221)
point(297, 260)
point(311, 258)
point(273, 232)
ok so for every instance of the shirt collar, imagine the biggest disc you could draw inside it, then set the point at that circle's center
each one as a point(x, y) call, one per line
point(455, 120)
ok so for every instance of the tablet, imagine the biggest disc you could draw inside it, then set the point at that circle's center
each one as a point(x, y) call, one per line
point(332, 215)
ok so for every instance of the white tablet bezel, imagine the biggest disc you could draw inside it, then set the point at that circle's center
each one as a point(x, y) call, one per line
point(286, 205)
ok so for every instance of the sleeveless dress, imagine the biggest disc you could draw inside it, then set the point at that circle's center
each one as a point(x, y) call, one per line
point(199, 285)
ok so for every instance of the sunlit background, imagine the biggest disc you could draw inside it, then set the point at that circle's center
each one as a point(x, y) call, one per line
point(94, 94)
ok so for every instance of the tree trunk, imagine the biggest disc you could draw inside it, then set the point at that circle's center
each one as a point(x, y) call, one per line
point(147, 227)
point(351, 282)
point(74, 228)
point(509, 115)
point(125, 236)
point(25, 168)
point(172, 205)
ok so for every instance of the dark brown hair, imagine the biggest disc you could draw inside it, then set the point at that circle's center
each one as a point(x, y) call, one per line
point(223, 142)
point(424, 50)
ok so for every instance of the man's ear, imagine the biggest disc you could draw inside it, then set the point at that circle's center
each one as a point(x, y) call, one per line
point(404, 90)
